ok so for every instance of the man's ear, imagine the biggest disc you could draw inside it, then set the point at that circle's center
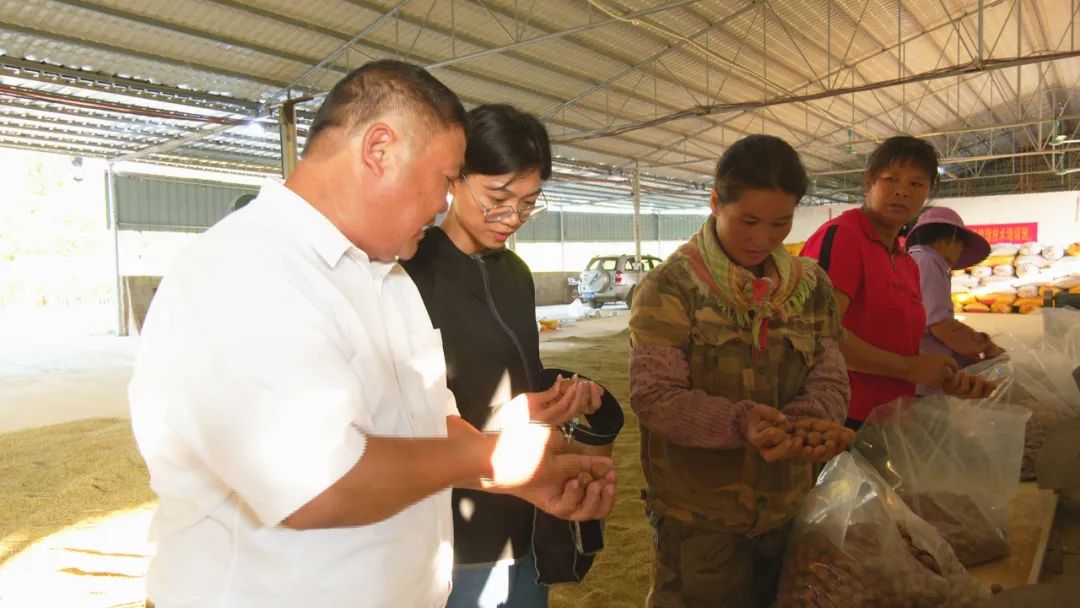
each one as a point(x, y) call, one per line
point(375, 147)
point(714, 201)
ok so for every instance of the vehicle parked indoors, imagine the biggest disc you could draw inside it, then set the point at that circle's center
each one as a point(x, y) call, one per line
point(611, 278)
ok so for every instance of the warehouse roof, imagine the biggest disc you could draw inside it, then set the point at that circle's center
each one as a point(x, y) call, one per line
point(659, 85)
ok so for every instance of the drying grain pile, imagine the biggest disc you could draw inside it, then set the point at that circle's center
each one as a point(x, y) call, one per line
point(57, 476)
point(620, 576)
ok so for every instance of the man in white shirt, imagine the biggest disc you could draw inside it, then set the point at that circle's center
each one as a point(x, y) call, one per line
point(289, 395)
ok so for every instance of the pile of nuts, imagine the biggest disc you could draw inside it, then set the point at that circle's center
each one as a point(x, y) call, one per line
point(1044, 418)
point(974, 537)
point(814, 433)
point(879, 565)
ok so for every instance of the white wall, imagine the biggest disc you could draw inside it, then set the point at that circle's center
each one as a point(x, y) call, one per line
point(1057, 213)
point(572, 257)
point(809, 219)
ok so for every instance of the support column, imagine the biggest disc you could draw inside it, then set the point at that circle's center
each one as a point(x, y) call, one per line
point(562, 240)
point(636, 183)
point(659, 245)
point(287, 129)
point(114, 221)
point(980, 55)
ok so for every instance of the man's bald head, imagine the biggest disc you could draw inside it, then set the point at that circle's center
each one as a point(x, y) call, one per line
point(378, 88)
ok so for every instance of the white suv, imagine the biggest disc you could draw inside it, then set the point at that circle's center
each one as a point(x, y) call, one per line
point(611, 278)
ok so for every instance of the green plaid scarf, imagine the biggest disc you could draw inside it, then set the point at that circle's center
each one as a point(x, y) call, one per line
point(751, 301)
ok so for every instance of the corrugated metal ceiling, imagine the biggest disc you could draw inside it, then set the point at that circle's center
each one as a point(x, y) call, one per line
point(608, 76)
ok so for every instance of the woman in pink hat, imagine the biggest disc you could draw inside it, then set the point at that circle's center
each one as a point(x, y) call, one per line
point(940, 243)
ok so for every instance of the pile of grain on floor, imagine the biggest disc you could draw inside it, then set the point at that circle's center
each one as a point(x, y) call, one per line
point(57, 476)
point(620, 576)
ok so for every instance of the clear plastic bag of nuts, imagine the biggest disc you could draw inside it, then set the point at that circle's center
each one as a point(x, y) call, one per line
point(1034, 376)
point(1043, 368)
point(855, 544)
point(954, 463)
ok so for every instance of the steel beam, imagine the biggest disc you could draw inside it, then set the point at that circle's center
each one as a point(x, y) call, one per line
point(636, 184)
point(33, 70)
point(287, 129)
point(113, 209)
point(560, 34)
point(642, 63)
point(727, 107)
point(142, 55)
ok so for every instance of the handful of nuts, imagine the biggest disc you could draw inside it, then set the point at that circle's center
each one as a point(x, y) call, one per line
point(805, 438)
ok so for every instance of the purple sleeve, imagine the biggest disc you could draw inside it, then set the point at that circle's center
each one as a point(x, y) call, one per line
point(666, 403)
point(936, 287)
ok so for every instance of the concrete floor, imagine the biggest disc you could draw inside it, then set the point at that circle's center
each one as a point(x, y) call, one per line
point(50, 380)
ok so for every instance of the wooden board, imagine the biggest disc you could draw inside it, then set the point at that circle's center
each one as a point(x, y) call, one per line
point(1031, 516)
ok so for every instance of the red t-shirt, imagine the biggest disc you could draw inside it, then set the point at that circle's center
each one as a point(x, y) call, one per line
point(886, 301)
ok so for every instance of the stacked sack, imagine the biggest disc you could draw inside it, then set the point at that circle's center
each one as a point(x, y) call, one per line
point(1016, 277)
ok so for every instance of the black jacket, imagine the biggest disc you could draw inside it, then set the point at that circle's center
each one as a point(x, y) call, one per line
point(484, 306)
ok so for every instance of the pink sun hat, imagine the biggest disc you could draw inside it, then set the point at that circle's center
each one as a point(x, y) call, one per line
point(976, 248)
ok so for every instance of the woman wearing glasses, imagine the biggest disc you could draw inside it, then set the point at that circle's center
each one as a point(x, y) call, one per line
point(480, 295)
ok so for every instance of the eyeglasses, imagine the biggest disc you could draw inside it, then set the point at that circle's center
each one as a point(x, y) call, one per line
point(498, 213)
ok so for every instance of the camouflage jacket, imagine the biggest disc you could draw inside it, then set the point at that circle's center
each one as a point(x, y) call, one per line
point(694, 375)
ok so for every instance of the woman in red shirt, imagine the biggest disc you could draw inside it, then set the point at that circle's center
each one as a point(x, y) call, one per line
point(877, 283)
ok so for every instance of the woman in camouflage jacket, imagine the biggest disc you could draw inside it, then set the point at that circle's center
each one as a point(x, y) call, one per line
point(739, 385)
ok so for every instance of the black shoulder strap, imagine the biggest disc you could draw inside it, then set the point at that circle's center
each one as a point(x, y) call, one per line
point(825, 258)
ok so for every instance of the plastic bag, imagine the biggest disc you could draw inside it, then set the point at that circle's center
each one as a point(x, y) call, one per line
point(990, 299)
point(1032, 260)
point(1066, 282)
point(1061, 333)
point(1053, 252)
point(1004, 270)
point(1030, 248)
point(1027, 291)
point(1035, 379)
point(1061, 330)
point(855, 544)
point(965, 280)
point(955, 464)
point(1044, 368)
point(1004, 249)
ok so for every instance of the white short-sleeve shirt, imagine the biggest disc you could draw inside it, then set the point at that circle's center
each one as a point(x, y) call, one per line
point(272, 348)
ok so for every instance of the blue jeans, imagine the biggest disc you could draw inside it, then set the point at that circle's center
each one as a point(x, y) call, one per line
point(509, 586)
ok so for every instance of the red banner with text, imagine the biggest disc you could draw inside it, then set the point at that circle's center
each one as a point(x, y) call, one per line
point(1008, 233)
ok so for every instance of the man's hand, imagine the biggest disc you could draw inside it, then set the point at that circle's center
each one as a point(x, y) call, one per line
point(589, 495)
point(766, 430)
point(932, 370)
point(969, 386)
point(526, 463)
point(822, 439)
